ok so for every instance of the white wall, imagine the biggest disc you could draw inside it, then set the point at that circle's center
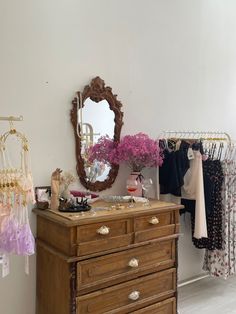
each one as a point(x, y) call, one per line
point(171, 62)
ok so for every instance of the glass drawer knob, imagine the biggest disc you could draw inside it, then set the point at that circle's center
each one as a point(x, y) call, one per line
point(134, 295)
point(133, 263)
point(103, 230)
point(154, 221)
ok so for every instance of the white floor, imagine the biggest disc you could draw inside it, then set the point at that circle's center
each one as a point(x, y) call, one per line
point(208, 296)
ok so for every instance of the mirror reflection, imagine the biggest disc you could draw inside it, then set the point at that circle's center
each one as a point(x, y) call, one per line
point(97, 120)
point(96, 113)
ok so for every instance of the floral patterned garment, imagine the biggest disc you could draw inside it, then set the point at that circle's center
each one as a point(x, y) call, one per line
point(222, 263)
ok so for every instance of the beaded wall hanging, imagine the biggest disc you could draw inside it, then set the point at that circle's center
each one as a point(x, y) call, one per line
point(16, 193)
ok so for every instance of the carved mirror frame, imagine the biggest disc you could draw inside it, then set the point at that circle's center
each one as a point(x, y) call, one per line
point(96, 91)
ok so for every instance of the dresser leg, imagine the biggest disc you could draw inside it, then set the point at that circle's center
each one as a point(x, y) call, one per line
point(176, 265)
point(73, 288)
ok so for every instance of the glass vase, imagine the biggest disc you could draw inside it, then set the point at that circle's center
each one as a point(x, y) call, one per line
point(136, 175)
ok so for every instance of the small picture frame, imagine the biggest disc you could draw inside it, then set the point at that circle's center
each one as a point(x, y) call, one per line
point(42, 196)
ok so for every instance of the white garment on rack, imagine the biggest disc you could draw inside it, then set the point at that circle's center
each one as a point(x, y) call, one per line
point(193, 189)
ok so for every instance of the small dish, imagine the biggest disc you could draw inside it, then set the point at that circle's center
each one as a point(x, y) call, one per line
point(122, 199)
point(114, 199)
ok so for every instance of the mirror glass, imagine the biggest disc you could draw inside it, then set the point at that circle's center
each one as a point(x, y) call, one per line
point(98, 120)
point(100, 115)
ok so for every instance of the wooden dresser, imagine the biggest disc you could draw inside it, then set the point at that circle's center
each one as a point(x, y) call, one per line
point(117, 261)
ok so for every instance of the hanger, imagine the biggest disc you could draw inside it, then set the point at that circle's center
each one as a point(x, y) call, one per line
point(14, 132)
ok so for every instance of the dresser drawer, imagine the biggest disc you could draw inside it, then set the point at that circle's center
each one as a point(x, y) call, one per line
point(129, 296)
point(154, 226)
point(115, 268)
point(103, 236)
point(165, 307)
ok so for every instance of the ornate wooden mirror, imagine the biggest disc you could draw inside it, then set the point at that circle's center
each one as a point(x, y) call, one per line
point(96, 112)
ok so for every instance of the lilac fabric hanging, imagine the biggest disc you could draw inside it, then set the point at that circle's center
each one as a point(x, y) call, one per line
point(16, 193)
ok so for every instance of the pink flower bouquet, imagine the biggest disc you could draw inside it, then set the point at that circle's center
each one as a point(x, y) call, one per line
point(138, 151)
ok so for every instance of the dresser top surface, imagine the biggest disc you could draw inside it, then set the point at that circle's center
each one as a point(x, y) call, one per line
point(106, 211)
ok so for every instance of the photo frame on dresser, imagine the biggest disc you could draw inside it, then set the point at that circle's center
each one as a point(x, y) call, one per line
point(42, 196)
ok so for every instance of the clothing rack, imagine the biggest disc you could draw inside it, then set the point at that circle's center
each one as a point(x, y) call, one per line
point(11, 118)
point(213, 136)
point(201, 135)
point(194, 135)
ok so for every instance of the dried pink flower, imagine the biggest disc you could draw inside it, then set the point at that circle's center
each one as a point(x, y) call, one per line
point(103, 150)
point(137, 150)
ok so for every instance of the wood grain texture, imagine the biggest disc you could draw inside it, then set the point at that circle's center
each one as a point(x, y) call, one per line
point(69, 220)
point(80, 271)
point(54, 291)
point(90, 232)
point(122, 248)
point(97, 273)
point(59, 237)
point(145, 230)
point(165, 307)
point(90, 241)
point(144, 223)
point(104, 245)
point(154, 233)
point(115, 299)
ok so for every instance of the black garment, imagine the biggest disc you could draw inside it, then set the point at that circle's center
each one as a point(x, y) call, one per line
point(209, 186)
point(213, 170)
point(182, 161)
point(189, 207)
point(168, 174)
point(173, 170)
point(213, 179)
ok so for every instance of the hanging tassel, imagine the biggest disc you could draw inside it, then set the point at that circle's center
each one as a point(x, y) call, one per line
point(27, 265)
point(5, 265)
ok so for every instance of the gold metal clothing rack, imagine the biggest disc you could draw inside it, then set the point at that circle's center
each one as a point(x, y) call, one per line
point(201, 135)
point(11, 118)
point(211, 136)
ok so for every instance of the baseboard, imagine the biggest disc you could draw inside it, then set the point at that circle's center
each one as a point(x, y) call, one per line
point(193, 279)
